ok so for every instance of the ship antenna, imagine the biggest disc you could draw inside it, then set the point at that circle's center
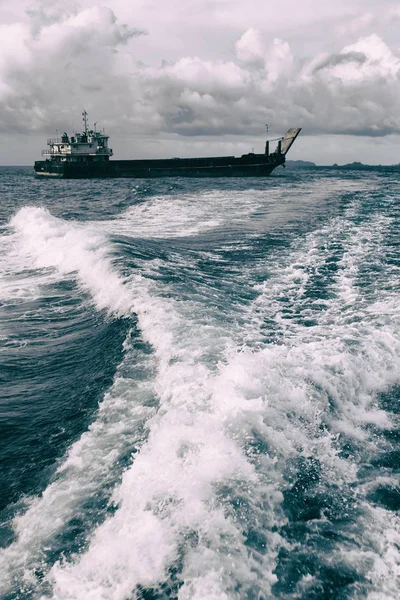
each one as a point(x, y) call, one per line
point(84, 115)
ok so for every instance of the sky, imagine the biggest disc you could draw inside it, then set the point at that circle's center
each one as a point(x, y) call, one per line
point(203, 77)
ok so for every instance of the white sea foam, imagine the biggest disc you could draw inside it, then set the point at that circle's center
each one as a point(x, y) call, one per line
point(198, 481)
point(87, 468)
point(190, 214)
point(42, 241)
point(197, 439)
point(52, 249)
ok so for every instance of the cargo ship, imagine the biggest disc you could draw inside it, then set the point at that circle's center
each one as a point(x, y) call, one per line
point(87, 155)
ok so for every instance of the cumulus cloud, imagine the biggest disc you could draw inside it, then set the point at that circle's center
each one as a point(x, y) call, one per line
point(354, 91)
point(57, 60)
point(51, 63)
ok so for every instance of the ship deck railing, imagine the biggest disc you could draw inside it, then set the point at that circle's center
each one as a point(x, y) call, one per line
point(53, 152)
point(101, 151)
point(57, 141)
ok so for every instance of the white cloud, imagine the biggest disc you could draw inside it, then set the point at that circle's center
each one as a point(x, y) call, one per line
point(251, 48)
point(51, 64)
point(377, 62)
point(353, 91)
point(60, 57)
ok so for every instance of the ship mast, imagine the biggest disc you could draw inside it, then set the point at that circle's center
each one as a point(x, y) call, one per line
point(85, 115)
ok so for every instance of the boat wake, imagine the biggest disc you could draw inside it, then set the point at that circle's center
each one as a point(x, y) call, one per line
point(254, 433)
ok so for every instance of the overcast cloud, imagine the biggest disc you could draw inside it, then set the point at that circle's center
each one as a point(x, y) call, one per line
point(171, 79)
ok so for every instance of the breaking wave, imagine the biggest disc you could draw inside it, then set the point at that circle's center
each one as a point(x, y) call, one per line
point(240, 450)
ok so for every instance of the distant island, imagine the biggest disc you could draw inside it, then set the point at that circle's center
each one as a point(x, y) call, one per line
point(354, 166)
point(300, 164)
point(358, 166)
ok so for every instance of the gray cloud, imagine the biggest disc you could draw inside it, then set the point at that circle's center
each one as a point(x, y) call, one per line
point(61, 57)
point(338, 59)
point(57, 61)
point(354, 92)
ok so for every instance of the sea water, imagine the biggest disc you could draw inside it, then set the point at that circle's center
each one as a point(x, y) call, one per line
point(200, 387)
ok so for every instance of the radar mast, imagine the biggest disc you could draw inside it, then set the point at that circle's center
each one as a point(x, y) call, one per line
point(85, 115)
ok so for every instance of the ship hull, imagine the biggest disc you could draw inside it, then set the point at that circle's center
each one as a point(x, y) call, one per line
point(246, 166)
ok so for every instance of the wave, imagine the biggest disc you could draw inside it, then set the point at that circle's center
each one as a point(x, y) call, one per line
point(234, 432)
point(64, 249)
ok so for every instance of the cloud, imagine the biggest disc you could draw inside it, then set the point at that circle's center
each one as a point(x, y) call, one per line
point(333, 60)
point(381, 16)
point(50, 64)
point(63, 57)
point(354, 91)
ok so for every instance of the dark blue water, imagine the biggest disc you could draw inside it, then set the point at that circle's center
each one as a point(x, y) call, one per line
point(200, 387)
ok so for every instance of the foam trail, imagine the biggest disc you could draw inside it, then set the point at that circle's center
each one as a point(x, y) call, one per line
point(351, 354)
point(46, 242)
point(194, 213)
point(198, 481)
point(89, 467)
point(58, 249)
point(200, 442)
point(18, 281)
point(168, 492)
point(171, 487)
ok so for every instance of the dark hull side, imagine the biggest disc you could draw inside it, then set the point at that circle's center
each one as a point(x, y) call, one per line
point(246, 166)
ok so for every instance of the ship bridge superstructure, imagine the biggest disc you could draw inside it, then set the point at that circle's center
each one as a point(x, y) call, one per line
point(89, 145)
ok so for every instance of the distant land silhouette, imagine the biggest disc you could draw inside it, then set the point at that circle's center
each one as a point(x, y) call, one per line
point(354, 166)
point(358, 166)
point(297, 164)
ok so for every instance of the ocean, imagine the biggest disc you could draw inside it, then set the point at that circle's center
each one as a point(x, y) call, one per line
point(200, 385)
